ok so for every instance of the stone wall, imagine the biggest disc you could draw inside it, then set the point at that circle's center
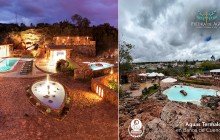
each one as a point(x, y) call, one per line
point(98, 85)
point(212, 80)
point(81, 44)
point(88, 50)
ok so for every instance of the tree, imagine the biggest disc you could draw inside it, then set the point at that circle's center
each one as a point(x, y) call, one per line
point(22, 25)
point(32, 25)
point(186, 69)
point(76, 19)
point(106, 37)
point(208, 65)
point(42, 25)
point(125, 59)
point(213, 58)
point(80, 21)
point(85, 22)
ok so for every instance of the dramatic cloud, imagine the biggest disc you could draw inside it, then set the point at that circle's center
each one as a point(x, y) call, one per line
point(27, 11)
point(162, 30)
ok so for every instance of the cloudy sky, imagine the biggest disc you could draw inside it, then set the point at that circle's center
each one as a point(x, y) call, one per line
point(161, 30)
point(34, 11)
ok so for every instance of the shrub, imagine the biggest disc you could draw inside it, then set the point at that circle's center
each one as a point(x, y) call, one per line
point(150, 90)
point(65, 67)
point(62, 65)
point(68, 100)
point(48, 110)
point(113, 84)
point(155, 86)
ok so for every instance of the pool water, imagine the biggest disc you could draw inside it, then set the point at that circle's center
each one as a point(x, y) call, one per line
point(100, 65)
point(193, 94)
point(8, 64)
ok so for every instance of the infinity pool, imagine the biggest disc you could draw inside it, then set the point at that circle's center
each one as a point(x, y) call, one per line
point(193, 94)
point(100, 65)
point(7, 64)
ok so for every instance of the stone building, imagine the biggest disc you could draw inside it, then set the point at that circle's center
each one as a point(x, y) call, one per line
point(57, 52)
point(80, 44)
point(5, 50)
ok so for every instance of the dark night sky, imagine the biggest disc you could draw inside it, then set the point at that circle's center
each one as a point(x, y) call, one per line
point(50, 11)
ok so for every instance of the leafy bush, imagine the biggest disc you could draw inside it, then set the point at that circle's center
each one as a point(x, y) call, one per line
point(65, 67)
point(150, 90)
point(62, 65)
point(113, 84)
point(68, 100)
point(48, 110)
point(155, 86)
point(208, 65)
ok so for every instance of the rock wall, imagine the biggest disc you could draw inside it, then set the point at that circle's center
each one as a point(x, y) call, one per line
point(174, 119)
point(166, 120)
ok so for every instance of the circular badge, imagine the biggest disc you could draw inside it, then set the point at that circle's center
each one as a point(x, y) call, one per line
point(136, 129)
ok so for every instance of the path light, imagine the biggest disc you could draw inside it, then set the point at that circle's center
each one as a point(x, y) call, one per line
point(112, 71)
point(99, 91)
point(102, 93)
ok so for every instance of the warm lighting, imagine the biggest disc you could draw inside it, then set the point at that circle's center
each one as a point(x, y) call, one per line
point(99, 91)
point(112, 71)
point(47, 80)
point(102, 93)
point(4, 51)
point(48, 84)
point(30, 39)
point(93, 97)
point(56, 56)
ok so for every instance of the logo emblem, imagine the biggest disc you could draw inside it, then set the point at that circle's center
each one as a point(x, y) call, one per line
point(136, 129)
point(206, 19)
point(207, 16)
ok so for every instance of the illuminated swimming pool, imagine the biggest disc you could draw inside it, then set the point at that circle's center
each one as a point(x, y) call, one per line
point(100, 65)
point(193, 94)
point(7, 64)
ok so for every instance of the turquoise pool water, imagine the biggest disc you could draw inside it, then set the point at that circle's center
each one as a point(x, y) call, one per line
point(100, 65)
point(193, 94)
point(7, 64)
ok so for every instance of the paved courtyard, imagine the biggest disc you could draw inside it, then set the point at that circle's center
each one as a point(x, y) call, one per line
point(90, 117)
point(136, 93)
